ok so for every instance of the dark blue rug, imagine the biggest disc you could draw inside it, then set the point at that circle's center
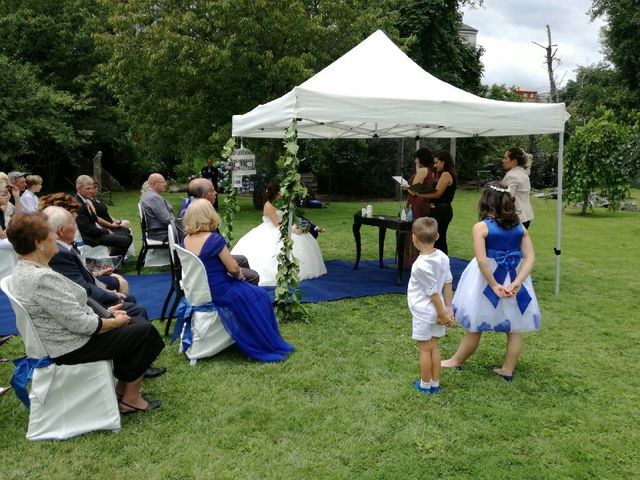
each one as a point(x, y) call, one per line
point(341, 281)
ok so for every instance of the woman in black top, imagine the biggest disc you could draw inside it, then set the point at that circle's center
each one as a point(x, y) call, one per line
point(441, 199)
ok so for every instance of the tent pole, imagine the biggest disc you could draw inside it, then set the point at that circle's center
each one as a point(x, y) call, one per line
point(452, 149)
point(417, 143)
point(559, 210)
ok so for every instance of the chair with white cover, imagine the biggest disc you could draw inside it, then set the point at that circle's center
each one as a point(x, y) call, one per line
point(66, 400)
point(208, 334)
point(154, 253)
point(87, 251)
point(7, 259)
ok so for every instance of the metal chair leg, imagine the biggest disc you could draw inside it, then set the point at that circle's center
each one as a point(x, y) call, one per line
point(141, 257)
point(179, 296)
point(166, 303)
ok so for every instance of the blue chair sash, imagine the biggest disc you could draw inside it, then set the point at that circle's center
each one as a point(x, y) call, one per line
point(23, 373)
point(184, 312)
point(507, 264)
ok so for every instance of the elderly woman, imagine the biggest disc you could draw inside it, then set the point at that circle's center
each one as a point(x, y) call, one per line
point(245, 309)
point(69, 330)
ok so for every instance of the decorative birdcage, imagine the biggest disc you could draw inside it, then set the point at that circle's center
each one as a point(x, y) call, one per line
point(244, 165)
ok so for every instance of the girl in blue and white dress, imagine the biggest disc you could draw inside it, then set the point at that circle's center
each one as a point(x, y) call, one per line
point(495, 292)
point(261, 245)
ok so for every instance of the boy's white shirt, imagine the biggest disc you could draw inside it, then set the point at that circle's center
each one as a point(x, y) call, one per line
point(429, 273)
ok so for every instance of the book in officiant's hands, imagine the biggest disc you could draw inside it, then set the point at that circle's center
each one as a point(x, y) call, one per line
point(416, 187)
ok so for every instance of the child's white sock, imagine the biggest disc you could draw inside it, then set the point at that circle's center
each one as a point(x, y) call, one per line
point(424, 384)
point(435, 383)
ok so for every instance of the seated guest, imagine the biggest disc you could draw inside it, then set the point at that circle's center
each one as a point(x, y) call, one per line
point(4, 200)
point(92, 233)
point(203, 188)
point(111, 280)
point(70, 331)
point(245, 309)
point(17, 185)
point(157, 210)
point(104, 219)
point(29, 200)
point(67, 262)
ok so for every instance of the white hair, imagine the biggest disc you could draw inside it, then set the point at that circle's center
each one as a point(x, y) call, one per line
point(83, 180)
point(57, 216)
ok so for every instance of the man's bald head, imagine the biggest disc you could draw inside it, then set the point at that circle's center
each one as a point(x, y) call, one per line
point(157, 182)
point(202, 188)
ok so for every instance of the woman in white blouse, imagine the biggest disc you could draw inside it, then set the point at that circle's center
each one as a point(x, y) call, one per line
point(515, 163)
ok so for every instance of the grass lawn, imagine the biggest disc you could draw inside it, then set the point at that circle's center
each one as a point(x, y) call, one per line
point(343, 405)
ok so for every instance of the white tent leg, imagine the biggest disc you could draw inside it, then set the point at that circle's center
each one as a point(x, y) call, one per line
point(559, 210)
point(452, 149)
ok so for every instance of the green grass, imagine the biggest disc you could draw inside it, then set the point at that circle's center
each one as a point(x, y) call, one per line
point(342, 406)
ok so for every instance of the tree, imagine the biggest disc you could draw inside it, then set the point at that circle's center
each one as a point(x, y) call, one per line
point(621, 37)
point(597, 86)
point(55, 42)
point(431, 27)
point(35, 119)
point(600, 155)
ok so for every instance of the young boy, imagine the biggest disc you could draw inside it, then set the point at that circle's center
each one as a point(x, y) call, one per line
point(429, 296)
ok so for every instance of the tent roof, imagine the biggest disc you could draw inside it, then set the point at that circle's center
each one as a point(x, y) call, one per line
point(377, 90)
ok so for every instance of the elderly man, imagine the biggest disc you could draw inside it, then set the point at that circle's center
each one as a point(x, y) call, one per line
point(203, 188)
point(92, 233)
point(157, 210)
point(67, 262)
point(17, 186)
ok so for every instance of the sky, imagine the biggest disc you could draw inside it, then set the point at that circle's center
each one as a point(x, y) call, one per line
point(507, 28)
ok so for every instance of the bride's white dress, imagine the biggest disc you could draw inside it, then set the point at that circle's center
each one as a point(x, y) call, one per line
point(261, 245)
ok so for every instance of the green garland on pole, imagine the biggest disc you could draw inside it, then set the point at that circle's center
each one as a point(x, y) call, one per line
point(287, 298)
point(230, 203)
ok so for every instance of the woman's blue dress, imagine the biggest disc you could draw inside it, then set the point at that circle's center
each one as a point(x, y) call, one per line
point(245, 309)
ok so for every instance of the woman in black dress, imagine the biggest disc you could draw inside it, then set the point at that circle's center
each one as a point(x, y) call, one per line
point(441, 199)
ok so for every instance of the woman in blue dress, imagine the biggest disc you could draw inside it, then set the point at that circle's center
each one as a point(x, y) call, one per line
point(245, 309)
point(495, 292)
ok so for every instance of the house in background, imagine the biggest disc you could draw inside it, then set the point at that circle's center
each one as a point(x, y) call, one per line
point(468, 34)
point(526, 95)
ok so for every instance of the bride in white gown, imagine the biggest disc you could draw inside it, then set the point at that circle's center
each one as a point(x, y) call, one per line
point(261, 245)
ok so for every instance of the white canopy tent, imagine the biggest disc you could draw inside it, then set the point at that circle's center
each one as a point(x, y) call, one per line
point(375, 90)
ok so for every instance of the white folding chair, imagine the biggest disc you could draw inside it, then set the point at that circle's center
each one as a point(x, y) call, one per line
point(208, 334)
point(87, 251)
point(7, 259)
point(66, 400)
point(154, 253)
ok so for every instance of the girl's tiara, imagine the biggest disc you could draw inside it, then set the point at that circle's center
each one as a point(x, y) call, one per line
point(498, 189)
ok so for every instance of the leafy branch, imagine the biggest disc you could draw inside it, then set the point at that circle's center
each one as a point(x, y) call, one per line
point(287, 299)
point(230, 202)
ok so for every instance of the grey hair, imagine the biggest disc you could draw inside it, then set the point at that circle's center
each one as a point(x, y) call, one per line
point(83, 180)
point(57, 216)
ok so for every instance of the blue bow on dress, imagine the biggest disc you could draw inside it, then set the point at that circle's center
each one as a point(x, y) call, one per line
point(184, 312)
point(23, 373)
point(507, 264)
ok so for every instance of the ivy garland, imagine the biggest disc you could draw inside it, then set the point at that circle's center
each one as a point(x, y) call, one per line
point(287, 298)
point(230, 203)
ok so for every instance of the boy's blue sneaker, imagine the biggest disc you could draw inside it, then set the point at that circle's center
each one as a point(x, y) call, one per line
point(434, 389)
point(420, 389)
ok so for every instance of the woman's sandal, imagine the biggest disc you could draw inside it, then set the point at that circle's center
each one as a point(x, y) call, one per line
point(508, 378)
point(151, 405)
point(457, 368)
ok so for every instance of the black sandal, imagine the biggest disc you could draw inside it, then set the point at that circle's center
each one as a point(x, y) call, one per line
point(152, 405)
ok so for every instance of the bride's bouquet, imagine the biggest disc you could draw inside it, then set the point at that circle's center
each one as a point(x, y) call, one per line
point(303, 226)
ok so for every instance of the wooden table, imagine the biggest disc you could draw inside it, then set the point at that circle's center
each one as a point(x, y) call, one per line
point(383, 222)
